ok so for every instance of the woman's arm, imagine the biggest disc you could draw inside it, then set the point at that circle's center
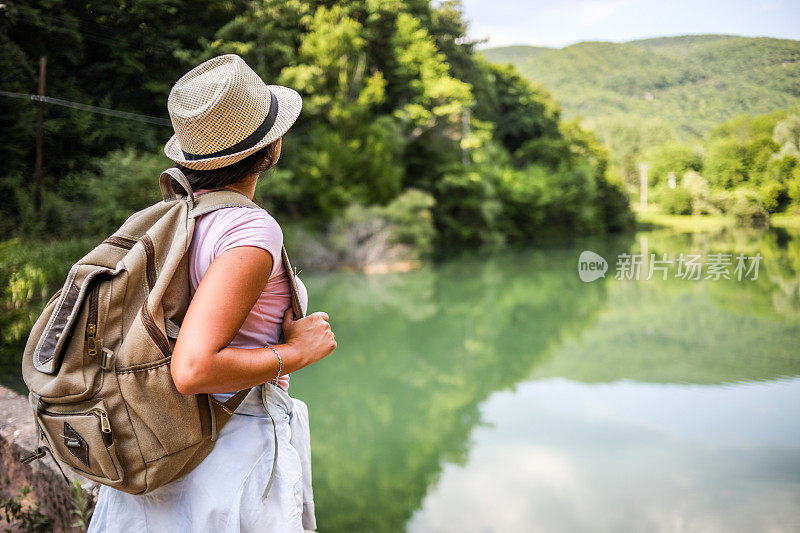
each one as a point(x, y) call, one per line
point(202, 361)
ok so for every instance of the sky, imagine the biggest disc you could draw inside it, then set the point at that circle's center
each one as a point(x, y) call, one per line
point(558, 23)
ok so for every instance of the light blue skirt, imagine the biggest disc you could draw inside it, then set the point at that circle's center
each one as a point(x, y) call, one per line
point(223, 493)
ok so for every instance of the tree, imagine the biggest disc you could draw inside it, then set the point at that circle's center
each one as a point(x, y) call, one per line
point(395, 97)
point(673, 157)
point(725, 165)
point(787, 135)
point(522, 112)
point(432, 97)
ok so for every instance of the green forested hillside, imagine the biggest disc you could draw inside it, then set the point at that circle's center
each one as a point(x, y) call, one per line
point(403, 126)
point(642, 93)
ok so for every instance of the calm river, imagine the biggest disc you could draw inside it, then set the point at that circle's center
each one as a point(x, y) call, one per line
point(503, 393)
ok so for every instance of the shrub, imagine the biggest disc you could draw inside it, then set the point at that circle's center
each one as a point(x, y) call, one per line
point(677, 201)
point(613, 203)
point(30, 272)
point(82, 506)
point(793, 190)
point(125, 181)
point(721, 200)
point(774, 195)
point(468, 209)
point(748, 209)
point(362, 236)
point(696, 184)
point(412, 220)
point(698, 188)
point(22, 516)
point(56, 216)
point(725, 164)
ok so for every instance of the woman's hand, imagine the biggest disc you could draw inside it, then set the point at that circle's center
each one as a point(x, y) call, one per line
point(283, 382)
point(311, 336)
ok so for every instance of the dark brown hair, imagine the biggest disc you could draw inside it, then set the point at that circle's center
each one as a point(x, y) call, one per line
point(258, 161)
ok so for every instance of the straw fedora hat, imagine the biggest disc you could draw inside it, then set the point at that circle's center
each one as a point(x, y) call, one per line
point(222, 112)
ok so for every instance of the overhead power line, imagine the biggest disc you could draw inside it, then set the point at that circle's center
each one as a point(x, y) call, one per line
point(88, 30)
point(91, 108)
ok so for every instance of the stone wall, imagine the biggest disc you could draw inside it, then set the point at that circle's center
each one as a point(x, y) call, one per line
point(17, 436)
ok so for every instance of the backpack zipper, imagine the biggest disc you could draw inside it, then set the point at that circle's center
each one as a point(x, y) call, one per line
point(155, 333)
point(150, 257)
point(105, 424)
point(147, 318)
point(91, 324)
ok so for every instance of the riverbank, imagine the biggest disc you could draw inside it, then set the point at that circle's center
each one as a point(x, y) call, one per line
point(46, 499)
point(786, 220)
point(653, 218)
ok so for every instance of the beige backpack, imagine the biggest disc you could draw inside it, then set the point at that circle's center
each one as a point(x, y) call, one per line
point(97, 362)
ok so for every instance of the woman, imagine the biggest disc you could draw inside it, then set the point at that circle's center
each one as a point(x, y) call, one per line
point(228, 129)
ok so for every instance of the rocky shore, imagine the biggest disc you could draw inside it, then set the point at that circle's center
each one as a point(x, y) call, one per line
point(48, 489)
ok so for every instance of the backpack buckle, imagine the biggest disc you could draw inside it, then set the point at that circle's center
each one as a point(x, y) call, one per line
point(107, 359)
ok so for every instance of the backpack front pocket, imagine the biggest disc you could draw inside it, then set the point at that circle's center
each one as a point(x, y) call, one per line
point(66, 343)
point(164, 420)
point(82, 436)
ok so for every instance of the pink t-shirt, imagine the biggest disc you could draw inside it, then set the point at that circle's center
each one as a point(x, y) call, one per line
point(230, 227)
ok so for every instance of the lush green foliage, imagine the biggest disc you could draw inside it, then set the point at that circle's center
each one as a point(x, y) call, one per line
point(30, 272)
point(82, 504)
point(676, 201)
point(642, 94)
point(395, 98)
point(750, 167)
point(673, 157)
point(748, 209)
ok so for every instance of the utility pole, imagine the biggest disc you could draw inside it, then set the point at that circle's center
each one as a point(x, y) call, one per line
point(464, 136)
point(37, 198)
point(643, 181)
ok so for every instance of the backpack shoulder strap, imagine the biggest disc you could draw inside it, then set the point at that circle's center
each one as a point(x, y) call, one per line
point(211, 201)
point(165, 182)
point(201, 203)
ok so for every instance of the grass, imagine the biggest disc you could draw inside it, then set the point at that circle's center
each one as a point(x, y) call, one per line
point(653, 218)
point(790, 221)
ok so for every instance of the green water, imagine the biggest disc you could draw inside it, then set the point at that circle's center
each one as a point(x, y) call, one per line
point(502, 393)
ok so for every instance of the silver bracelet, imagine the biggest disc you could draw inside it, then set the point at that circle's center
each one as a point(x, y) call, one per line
point(280, 364)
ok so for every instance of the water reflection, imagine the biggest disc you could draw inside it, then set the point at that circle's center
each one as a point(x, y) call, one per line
point(399, 425)
point(418, 353)
point(556, 455)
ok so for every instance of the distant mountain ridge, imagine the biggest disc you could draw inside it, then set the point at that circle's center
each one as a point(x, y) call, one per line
point(666, 88)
